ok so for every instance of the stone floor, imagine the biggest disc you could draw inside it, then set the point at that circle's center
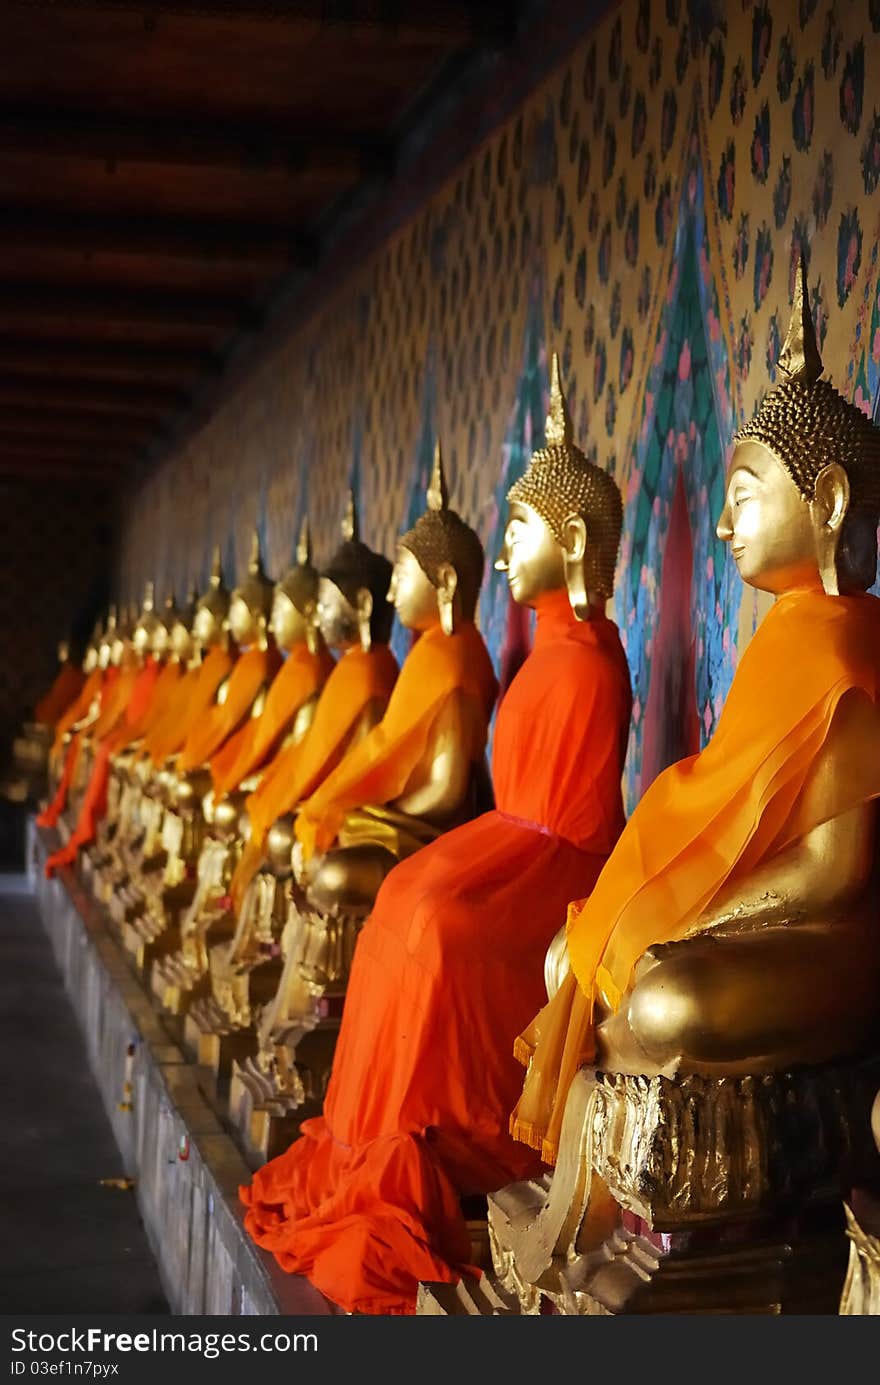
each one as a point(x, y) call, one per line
point(69, 1244)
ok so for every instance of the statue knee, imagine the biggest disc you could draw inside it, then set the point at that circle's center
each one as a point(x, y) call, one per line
point(670, 1010)
point(350, 878)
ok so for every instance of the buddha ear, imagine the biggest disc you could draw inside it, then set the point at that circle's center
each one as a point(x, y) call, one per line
point(831, 496)
point(447, 585)
point(574, 552)
point(828, 509)
point(364, 612)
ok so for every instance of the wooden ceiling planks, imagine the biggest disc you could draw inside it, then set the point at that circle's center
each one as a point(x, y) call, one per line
point(168, 170)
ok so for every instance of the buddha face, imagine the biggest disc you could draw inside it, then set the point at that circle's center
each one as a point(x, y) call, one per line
point(243, 624)
point(337, 618)
point(161, 640)
point(767, 523)
point(530, 555)
point(141, 638)
point(207, 626)
point(181, 641)
point(412, 593)
point(287, 623)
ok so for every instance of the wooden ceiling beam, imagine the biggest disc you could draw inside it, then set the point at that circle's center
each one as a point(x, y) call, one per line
point(105, 397)
point(81, 359)
point(115, 141)
point(156, 238)
point(23, 468)
point(88, 429)
point(441, 21)
point(35, 302)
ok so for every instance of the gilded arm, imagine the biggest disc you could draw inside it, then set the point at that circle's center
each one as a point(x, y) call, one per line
point(440, 783)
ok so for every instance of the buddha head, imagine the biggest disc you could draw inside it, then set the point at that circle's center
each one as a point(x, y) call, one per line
point(212, 609)
point(564, 520)
point(295, 600)
point(353, 604)
point(107, 637)
point(90, 659)
point(251, 602)
point(439, 565)
point(122, 647)
point(179, 622)
point(147, 625)
point(803, 486)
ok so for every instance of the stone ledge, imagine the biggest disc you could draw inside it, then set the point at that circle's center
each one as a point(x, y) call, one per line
point(186, 1167)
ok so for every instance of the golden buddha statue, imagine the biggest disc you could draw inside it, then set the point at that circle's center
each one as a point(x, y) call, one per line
point(352, 616)
point(171, 842)
point(724, 971)
point(420, 772)
point(377, 1191)
point(27, 778)
point(166, 643)
point(283, 720)
point(256, 663)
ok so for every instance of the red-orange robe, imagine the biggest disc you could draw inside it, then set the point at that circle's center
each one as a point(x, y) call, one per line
point(252, 671)
point(99, 684)
point(68, 684)
point(195, 693)
point(714, 817)
point(127, 707)
point(446, 971)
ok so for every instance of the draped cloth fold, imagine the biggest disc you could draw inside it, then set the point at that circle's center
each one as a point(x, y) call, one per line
point(713, 818)
point(300, 677)
point(446, 971)
point(359, 680)
point(66, 687)
point(378, 769)
point(251, 671)
point(195, 693)
point(98, 687)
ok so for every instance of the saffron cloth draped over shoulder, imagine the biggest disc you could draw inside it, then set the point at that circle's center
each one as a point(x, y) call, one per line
point(378, 769)
point(811, 673)
point(359, 678)
point(301, 675)
point(447, 969)
point(250, 672)
point(195, 693)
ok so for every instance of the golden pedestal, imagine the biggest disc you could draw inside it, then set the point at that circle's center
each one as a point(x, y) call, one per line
point(692, 1194)
point(861, 1291)
point(179, 976)
point(284, 1083)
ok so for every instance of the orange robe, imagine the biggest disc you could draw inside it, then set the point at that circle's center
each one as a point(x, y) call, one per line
point(447, 968)
point(251, 671)
point(99, 685)
point(378, 769)
point(300, 677)
point(69, 683)
point(195, 693)
point(359, 679)
point(127, 705)
point(715, 817)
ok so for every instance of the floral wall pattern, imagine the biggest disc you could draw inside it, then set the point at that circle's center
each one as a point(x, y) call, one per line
point(641, 213)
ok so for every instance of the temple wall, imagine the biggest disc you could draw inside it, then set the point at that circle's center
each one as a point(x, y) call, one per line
point(640, 213)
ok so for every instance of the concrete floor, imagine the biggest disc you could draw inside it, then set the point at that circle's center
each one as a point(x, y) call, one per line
point(69, 1244)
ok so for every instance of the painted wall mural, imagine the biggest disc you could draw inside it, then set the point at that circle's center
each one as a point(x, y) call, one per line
point(641, 213)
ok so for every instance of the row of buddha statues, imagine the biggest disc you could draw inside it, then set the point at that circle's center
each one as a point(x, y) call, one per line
point(491, 1047)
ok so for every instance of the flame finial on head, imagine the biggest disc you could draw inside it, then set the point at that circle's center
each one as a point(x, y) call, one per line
point(438, 491)
point(217, 568)
point(350, 524)
point(799, 358)
point(149, 596)
point(304, 544)
point(557, 429)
